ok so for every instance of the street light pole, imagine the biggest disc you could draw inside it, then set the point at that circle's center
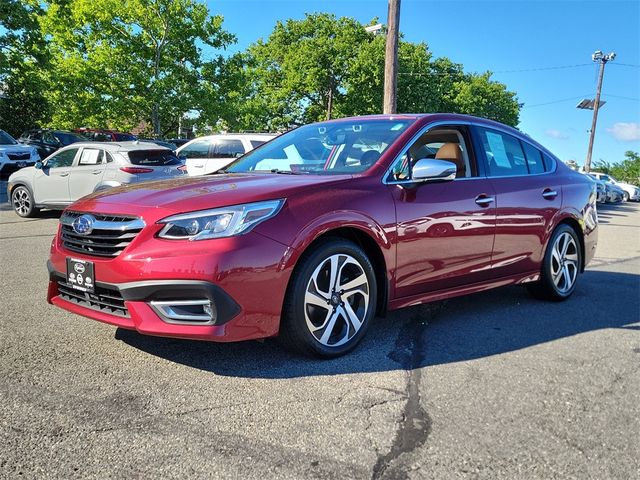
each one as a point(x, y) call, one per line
point(391, 58)
point(602, 59)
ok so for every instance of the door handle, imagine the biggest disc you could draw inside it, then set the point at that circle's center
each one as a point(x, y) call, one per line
point(96, 172)
point(549, 194)
point(484, 201)
point(64, 174)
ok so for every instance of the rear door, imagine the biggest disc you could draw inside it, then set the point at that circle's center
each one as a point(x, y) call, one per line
point(51, 182)
point(527, 199)
point(86, 173)
point(197, 154)
point(445, 229)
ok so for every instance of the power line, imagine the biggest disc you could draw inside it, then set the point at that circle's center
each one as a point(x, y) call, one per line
point(536, 69)
point(627, 65)
point(620, 96)
point(555, 101)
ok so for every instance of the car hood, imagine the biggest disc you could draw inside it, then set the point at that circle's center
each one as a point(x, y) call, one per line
point(16, 148)
point(198, 193)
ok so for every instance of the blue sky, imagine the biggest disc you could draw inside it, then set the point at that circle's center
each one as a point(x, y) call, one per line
point(503, 36)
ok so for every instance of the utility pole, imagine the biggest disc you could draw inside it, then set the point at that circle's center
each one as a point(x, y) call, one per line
point(602, 59)
point(391, 58)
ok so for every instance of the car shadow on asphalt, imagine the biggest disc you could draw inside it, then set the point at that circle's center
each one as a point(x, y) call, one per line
point(456, 330)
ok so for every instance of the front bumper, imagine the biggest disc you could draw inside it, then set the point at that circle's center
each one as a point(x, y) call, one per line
point(241, 276)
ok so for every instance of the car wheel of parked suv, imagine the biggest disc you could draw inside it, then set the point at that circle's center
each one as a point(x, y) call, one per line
point(560, 267)
point(331, 300)
point(22, 202)
point(625, 196)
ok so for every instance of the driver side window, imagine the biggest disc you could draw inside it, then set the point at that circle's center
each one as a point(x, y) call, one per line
point(62, 159)
point(440, 144)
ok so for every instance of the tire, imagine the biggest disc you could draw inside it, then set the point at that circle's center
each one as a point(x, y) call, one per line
point(625, 196)
point(560, 266)
point(22, 202)
point(317, 322)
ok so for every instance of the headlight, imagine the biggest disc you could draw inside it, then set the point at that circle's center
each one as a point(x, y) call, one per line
point(2, 154)
point(219, 222)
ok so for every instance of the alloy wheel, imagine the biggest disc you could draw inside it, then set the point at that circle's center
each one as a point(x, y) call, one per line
point(336, 300)
point(564, 262)
point(21, 201)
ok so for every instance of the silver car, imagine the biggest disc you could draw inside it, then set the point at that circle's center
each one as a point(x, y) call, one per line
point(83, 168)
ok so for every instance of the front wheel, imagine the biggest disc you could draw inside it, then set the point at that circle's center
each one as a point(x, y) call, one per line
point(331, 300)
point(560, 267)
point(625, 196)
point(22, 202)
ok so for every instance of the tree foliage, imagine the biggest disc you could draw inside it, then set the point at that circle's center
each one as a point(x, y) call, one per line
point(628, 170)
point(120, 62)
point(23, 66)
point(323, 66)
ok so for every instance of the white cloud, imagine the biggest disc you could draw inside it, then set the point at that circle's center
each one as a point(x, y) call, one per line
point(627, 132)
point(554, 133)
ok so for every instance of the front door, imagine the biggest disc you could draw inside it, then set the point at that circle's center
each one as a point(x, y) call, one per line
point(51, 182)
point(445, 229)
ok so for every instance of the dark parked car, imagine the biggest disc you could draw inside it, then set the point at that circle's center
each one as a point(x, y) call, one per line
point(102, 135)
point(48, 141)
point(312, 234)
point(178, 142)
point(162, 143)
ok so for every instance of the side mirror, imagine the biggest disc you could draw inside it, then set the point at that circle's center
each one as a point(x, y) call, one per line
point(238, 154)
point(430, 170)
point(39, 165)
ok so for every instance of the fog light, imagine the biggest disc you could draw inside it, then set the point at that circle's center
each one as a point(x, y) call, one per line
point(190, 312)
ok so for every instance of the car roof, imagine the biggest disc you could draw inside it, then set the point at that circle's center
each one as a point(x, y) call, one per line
point(120, 146)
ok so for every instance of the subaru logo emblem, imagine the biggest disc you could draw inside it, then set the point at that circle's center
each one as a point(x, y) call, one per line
point(83, 225)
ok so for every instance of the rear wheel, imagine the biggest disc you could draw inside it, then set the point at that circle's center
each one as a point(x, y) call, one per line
point(561, 266)
point(331, 300)
point(22, 202)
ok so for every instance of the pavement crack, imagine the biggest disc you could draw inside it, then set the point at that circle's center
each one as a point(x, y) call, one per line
point(415, 425)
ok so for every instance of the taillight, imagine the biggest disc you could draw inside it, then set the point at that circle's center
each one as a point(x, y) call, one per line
point(134, 170)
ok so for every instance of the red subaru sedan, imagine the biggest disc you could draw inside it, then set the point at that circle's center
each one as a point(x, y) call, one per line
point(311, 235)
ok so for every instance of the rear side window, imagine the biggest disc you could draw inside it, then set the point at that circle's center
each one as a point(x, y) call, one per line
point(504, 154)
point(91, 156)
point(228, 148)
point(153, 158)
point(256, 143)
point(534, 158)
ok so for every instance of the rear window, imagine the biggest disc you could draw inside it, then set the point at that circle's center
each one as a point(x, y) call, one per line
point(124, 137)
point(153, 158)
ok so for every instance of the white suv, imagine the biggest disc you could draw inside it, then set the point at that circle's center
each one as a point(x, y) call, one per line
point(631, 192)
point(209, 154)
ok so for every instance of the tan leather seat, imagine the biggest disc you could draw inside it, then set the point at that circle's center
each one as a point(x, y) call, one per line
point(452, 153)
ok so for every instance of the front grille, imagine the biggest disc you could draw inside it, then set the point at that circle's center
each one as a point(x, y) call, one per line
point(19, 156)
point(106, 300)
point(110, 234)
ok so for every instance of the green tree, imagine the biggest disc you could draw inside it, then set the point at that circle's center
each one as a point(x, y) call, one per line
point(628, 170)
point(122, 62)
point(23, 65)
point(322, 66)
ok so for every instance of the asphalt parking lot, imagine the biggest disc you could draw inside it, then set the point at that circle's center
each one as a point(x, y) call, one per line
point(495, 385)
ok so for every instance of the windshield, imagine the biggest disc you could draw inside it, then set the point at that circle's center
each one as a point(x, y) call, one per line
point(66, 138)
point(6, 139)
point(324, 148)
